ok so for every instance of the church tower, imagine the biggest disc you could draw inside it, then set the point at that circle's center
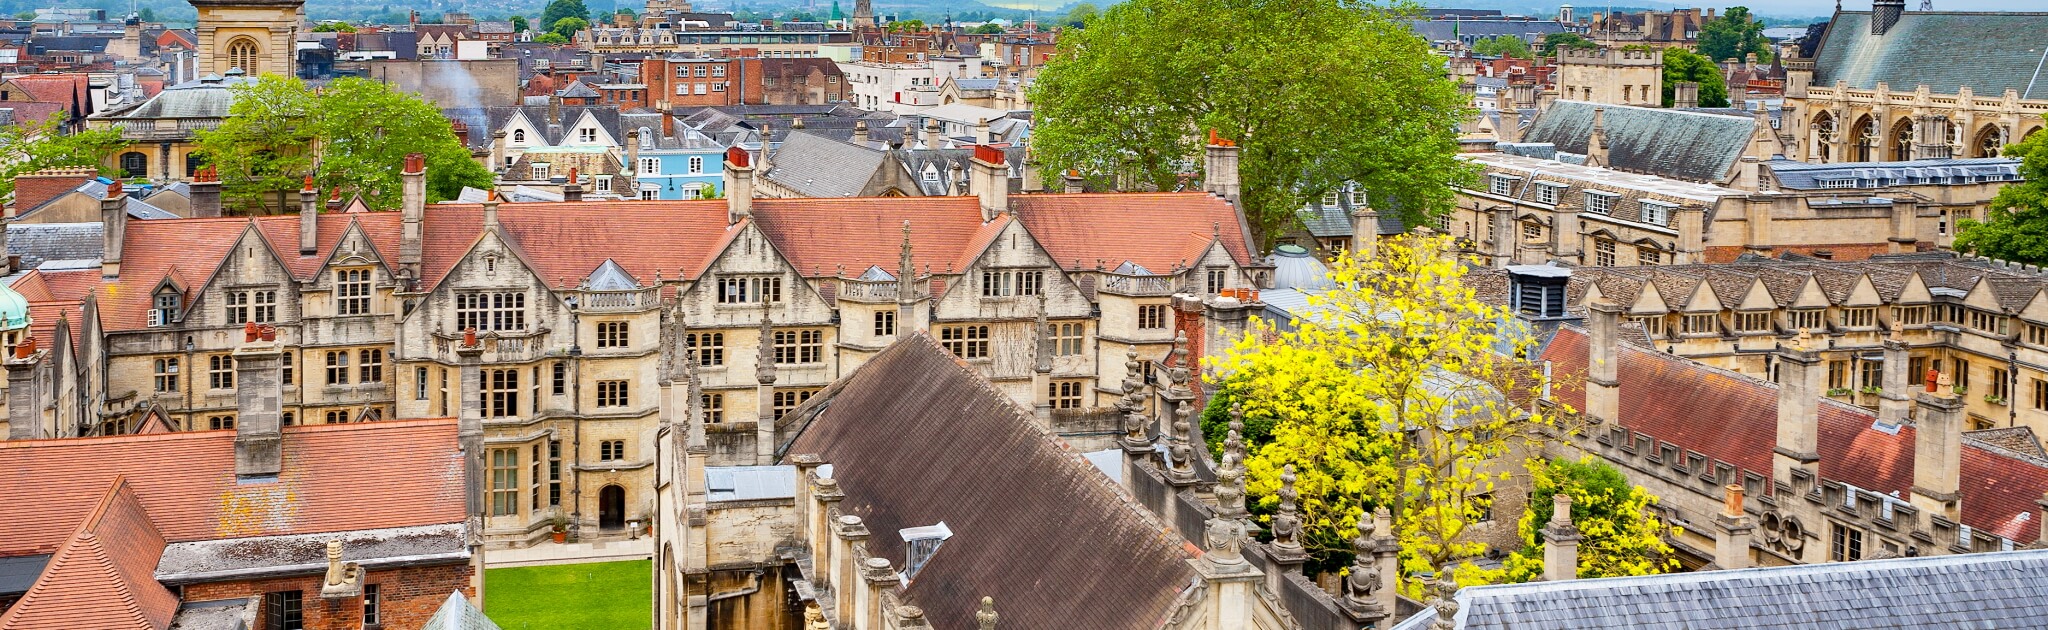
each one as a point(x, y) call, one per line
point(256, 36)
point(863, 15)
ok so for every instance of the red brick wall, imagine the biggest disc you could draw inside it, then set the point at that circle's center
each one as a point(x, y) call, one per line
point(33, 189)
point(408, 596)
point(1838, 251)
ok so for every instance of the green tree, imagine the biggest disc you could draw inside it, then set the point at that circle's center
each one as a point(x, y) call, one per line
point(362, 130)
point(559, 9)
point(2017, 229)
point(990, 28)
point(519, 23)
point(334, 27)
point(146, 14)
point(907, 26)
point(630, 15)
point(1081, 15)
point(1316, 93)
point(1685, 65)
point(1502, 46)
point(25, 15)
point(550, 38)
point(1391, 396)
point(1619, 535)
point(1552, 41)
point(1734, 35)
point(32, 145)
point(568, 27)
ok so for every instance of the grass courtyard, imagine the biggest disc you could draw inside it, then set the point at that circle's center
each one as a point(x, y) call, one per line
point(591, 596)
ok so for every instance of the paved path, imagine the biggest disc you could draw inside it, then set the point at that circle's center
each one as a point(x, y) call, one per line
point(571, 553)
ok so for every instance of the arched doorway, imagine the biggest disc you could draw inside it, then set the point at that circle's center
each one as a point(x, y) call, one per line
point(611, 508)
point(1990, 141)
point(134, 164)
point(1824, 136)
point(1867, 139)
point(1900, 142)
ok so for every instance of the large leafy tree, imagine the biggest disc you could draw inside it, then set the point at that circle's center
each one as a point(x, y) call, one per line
point(1316, 92)
point(34, 145)
point(560, 9)
point(1620, 537)
point(568, 27)
point(1394, 393)
point(352, 135)
point(1502, 46)
point(1734, 35)
point(1551, 42)
point(2017, 225)
point(1685, 65)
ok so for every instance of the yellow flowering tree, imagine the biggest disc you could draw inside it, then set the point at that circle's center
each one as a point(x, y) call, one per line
point(1618, 534)
point(1400, 389)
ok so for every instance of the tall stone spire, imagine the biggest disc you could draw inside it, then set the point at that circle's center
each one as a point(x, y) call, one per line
point(1136, 439)
point(1041, 363)
point(1182, 469)
point(906, 285)
point(764, 392)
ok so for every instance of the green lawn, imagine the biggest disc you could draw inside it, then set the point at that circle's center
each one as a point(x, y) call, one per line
point(593, 596)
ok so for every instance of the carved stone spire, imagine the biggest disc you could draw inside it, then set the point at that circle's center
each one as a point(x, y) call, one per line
point(1445, 600)
point(1363, 583)
point(764, 360)
point(1230, 473)
point(1136, 437)
point(1041, 358)
point(1287, 522)
point(986, 617)
point(1179, 374)
point(904, 269)
point(1177, 391)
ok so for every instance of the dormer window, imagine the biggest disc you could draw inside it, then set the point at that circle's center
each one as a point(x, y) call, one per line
point(1501, 185)
point(1655, 212)
point(586, 135)
point(164, 309)
point(540, 170)
point(1598, 202)
point(519, 135)
point(1546, 192)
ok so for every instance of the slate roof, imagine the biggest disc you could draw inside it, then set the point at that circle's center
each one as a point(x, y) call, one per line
point(100, 577)
point(1979, 590)
point(944, 161)
point(1335, 222)
point(1794, 175)
point(1468, 31)
point(191, 99)
point(208, 560)
point(456, 613)
point(1944, 50)
point(1667, 397)
point(1680, 145)
point(37, 242)
point(411, 470)
point(916, 438)
point(816, 166)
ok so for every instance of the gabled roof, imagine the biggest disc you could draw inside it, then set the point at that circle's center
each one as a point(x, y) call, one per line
point(1734, 418)
point(1155, 230)
point(456, 613)
point(916, 438)
point(338, 477)
point(1979, 590)
point(1680, 145)
point(823, 236)
point(1944, 50)
point(103, 575)
point(816, 166)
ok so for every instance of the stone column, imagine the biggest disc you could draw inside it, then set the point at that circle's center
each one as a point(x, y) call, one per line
point(1800, 385)
point(764, 393)
point(876, 577)
point(1560, 541)
point(1564, 232)
point(826, 494)
point(852, 534)
point(1505, 236)
point(470, 425)
point(1732, 528)
point(1603, 359)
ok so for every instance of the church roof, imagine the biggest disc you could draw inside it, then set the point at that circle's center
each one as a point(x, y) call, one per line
point(916, 438)
point(1944, 50)
point(1676, 144)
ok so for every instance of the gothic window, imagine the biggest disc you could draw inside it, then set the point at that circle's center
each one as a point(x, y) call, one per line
point(708, 348)
point(337, 367)
point(611, 450)
point(490, 311)
point(714, 408)
point(749, 290)
point(501, 393)
point(611, 334)
point(885, 323)
point(166, 372)
point(1152, 316)
point(1067, 337)
point(1002, 283)
point(1603, 251)
point(612, 394)
point(504, 481)
point(787, 399)
point(370, 368)
point(1649, 256)
point(554, 472)
point(243, 53)
point(352, 292)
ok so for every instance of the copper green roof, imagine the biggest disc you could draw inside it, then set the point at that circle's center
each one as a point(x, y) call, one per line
point(1988, 52)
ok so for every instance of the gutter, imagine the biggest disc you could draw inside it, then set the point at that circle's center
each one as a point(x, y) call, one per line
point(178, 579)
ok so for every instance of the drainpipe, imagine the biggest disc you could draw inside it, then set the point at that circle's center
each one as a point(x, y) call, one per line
point(576, 416)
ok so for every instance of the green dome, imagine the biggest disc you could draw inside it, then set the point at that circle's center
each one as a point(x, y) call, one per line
point(13, 309)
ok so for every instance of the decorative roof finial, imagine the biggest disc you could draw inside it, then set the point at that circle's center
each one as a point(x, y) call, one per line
point(1287, 522)
point(1042, 354)
point(764, 360)
point(1363, 584)
point(986, 617)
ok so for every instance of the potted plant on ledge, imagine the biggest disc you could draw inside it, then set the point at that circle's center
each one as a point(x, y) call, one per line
point(558, 528)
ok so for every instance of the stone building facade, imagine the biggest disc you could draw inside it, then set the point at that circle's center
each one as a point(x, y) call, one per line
point(1881, 85)
point(1617, 76)
point(549, 323)
point(254, 36)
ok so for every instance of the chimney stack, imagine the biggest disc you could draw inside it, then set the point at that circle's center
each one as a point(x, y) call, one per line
point(413, 214)
point(1219, 172)
point(1938, 450)
point(990, 180)
point(632, 152)
point(25, 390)
point(491, 210)
point(981, 133)
point(205, 189)
point(1560, 541)
point(1365, 232)
point(1732, 528)
point(933, 138)
point(1074, 182)
point(860, 132)
point(334, 201)
point(259, 377)
point(1685, 94)
point(1894, 403)
point(309, 218)
point(114, 220)
point(498, 162)
point(1603, 357)
point(572, 190)
point(1596, 149)
point(739, 185)
point(33, 189)
point(1800, 386)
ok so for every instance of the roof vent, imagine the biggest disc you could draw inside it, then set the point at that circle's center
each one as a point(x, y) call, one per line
point(1538, 291)
point(919, 544)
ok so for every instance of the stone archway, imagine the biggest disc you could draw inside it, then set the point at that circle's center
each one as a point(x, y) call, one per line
point(1989, 142)
point(1898, 144)
point(1865, 139)
point(1824, 136)
point(611, 508)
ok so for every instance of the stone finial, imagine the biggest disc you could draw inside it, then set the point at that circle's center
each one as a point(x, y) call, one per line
point(1041, 360)
point(814, 619)
point(1177, 442)
point(1287, 522)
point(1560, 511)
point(986, 617)
point(1178, 374)
point(344, 579)
point(1445, 601)
point(904, 269)
point(1223, 542)
point(1362, 586)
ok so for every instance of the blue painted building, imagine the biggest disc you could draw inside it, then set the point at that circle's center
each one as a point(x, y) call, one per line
point(688, 165)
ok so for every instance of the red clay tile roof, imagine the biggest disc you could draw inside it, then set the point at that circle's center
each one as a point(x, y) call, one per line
point(1151, 229)
point(104, 575)
point(44, 317)
point(338, 477)
point(1734, 418)
point(820, 236)
point(915, 438)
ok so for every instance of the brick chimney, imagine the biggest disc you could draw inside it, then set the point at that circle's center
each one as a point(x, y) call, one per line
point(1800, 386)
point(412, 214)
point(1938, 449)
point(259, 377)
point(1603, 358)
point(1560, 541)
point(572, 189)
point(990, 180)
point(497, 151)
point(739, 185)
point(205, 188)
point(33, 189)
point(1732, 528)
point(114, 219)
point(309, 218)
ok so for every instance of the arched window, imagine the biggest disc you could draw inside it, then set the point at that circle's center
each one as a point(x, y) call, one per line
point(519, 135)
point(134, 164)
point(243, 53)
